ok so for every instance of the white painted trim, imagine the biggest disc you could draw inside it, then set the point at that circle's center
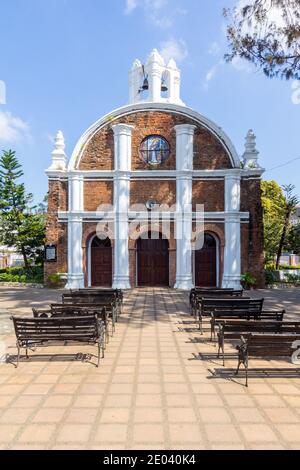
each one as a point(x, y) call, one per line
point(104, 175)
point(162, 107)
point(220, 216)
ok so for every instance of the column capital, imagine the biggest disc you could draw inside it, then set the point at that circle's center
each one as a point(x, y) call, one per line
point(122, 129)
point(188, 129)
point(233, 175)
point(76, 176)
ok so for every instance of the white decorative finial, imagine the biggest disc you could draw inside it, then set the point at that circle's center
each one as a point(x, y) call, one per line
point(251, 153)
point(136, 64)
point(59, 158)
point(155, 57)
point(172, 64)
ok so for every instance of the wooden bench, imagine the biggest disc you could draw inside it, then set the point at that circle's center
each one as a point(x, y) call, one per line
point(208, 306)
point(41, 332)
point(69, 310)
point(272, 322)
point(107, 301)
point(265, 346)
point(253, 312)
point(110, 310)
point(200, 292)
point(92, 292)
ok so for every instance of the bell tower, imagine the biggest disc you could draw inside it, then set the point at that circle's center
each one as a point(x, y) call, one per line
point(155, 82)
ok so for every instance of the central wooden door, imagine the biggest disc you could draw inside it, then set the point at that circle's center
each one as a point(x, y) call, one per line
point(153, 262)
point(206, 263)
point(101, 263)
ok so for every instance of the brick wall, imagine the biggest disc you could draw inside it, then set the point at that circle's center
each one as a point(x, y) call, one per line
point(56, 232)
point(164, 192)
point(99, 152)
point(210, 193)
point(251, 201)
point(96, 193)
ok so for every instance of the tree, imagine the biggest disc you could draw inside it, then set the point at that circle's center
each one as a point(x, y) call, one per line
point(292, 243)
point(21, 225)
point(273, 214)
point(290, 204)
point(267, 34)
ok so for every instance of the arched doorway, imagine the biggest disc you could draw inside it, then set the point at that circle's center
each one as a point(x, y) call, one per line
point(152, 261)
point(100, 262)
point(206, 263)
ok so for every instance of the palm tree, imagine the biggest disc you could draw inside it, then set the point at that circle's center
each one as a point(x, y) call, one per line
point(291, 201)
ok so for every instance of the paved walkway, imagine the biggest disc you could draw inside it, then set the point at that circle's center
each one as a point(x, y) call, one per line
point(157, 388)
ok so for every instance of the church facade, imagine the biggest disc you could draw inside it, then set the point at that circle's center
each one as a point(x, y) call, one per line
point(155, 194)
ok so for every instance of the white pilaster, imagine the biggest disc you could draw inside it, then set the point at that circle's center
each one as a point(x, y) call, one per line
point(75, 254)
point(232, 250)
point(122, 136)
point(184, 165)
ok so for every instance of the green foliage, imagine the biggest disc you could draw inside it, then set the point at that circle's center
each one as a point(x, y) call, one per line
point(22, 225)
point(290, 203)
point(273, 213)
point(272, 267)
point(292, 243)
point(55, 280)
point(254, 35)
point(278, 206)
point(32, 275)
point(248, 280)
point(269, 277)
point(292, 277)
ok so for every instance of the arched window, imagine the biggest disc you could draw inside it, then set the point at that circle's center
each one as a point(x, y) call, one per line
point(154, 150)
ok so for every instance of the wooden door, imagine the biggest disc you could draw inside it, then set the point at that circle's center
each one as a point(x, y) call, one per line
point(153, 262)
point(206, 263)
point(101, 263)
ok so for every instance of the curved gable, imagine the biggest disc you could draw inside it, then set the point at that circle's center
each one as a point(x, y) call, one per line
point(212, 148)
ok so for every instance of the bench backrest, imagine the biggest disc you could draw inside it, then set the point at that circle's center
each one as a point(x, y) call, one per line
point(89, 298)
point(256, 305)
point(56, 329)
point(209, 305)
point(117, 293)
point(69, 310)
point(259, 326)
point(202, 292)
point(270, 345)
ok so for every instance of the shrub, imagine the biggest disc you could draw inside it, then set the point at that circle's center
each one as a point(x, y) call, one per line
point(248, 280)
point(292, 278)
point(269, 277)
point(19, 274)
point(272, 267)
point(55, 280)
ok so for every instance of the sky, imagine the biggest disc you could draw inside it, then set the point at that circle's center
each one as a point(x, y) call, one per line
point(64, 64)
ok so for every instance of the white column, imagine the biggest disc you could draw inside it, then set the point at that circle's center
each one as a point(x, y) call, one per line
point(75, 254)
point(184, 187)
point(232, 250)
point(122, 136)
point(155, 85)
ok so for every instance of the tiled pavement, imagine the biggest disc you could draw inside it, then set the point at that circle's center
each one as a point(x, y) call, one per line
point(152, 391)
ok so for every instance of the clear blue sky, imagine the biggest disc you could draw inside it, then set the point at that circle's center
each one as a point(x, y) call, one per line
point(65, 64)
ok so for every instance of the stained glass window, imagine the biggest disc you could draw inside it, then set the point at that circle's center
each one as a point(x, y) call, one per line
point(154, 150)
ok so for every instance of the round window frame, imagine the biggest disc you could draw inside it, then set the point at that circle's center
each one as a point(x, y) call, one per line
point(148, 151)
